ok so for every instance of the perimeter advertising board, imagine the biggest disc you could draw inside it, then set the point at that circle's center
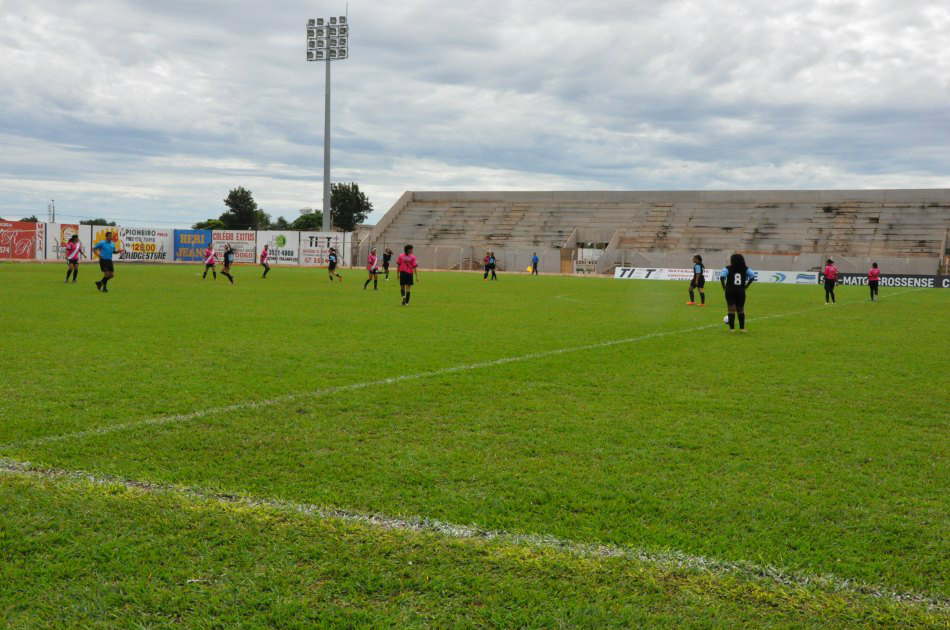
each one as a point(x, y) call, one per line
point(146, 244)
point(315, 247)
point(22, 240)
point(769, 277)
point(243, 242)
point(190, 244)
point(283, 246)
point(57, 234)
point(897, 280)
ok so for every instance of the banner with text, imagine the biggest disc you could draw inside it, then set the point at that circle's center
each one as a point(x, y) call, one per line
point(190, 244)
point(243, 242)
point(897, 280)
point(146, 244)
point(58, 233)
point(283, 246)
point(770, 277)
point(315, 247)
point(22, 240)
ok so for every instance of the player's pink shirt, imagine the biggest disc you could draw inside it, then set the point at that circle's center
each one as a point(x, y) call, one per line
point(73, 250)
point(407, 263)
point(831, 272)
point(265, 254)
point(874, 275)
point(210, 256)
point(371, 262)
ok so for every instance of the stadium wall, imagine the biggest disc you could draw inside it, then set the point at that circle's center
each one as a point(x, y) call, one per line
point(903, 230)
point(28, 241)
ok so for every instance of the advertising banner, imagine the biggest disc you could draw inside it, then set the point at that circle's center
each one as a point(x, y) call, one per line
point(770, 277)
point(190, 244)
point(145, 244)
point(243, 242)
point(22, 240)
point(283, 246)
point(647, 273)
point(315, 247)
point(56, 236)
point(897, 280)
point(787, 277)
point(99, 234)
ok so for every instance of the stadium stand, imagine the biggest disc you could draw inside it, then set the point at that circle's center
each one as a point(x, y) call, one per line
point(906, 231)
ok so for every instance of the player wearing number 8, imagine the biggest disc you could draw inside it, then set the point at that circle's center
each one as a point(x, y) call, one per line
point(735, 279)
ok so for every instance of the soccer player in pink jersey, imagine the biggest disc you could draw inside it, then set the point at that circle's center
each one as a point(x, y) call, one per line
point(211, 259)
point(265, 256)
point(831, 279)
point(372, 268)
point(408, 272)
point(874, 278)
point(73, 251)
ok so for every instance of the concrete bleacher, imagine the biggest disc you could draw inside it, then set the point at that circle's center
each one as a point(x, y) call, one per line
point(794, 230)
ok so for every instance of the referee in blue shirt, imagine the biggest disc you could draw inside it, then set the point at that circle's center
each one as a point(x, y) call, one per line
point(106, 248)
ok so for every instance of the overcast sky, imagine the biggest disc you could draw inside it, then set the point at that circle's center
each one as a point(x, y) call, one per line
point(151, 111)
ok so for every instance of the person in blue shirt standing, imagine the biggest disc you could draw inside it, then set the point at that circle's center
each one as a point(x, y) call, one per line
point(735, 279)
point(697, 282)
point(106, 248)
point(534, 264)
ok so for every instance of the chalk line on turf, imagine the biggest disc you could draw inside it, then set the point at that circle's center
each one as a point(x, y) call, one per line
point(241, 406)
point(671, 560)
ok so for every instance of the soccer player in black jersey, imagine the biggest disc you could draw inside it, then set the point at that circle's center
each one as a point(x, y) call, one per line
point(333, 258)
point(228, 261)
point(698, 281)
point(387, 257)
point(735, 279)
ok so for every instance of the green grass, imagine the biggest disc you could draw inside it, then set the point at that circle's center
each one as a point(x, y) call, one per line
point(817, 443)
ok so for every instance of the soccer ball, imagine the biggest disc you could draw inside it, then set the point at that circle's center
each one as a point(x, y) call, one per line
point(725, 320)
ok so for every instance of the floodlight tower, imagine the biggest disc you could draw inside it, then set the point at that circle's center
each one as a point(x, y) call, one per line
point(327, 40)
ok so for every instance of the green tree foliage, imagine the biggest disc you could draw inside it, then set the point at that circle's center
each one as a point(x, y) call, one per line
point(99, 221)
point(349, 205)
point(280, 224)
point(243, 213)
point(309, 219)
point(31, 219)
point(210, 224)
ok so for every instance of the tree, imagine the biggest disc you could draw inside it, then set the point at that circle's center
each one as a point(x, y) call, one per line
point(210, 224)
point(99, 221)
point(280, 224)
point(243, 213)
point(349, 206)
point(309, 219)
point(31, 219)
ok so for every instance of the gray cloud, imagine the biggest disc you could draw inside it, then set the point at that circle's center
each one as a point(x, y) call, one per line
point(154, 110)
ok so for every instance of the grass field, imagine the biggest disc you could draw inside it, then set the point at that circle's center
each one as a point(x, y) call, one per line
point(165, 449)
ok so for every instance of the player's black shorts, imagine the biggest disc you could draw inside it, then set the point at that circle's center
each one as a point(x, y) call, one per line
point(209, 265)
point(405, 279)
point(72, 262)
point(373, 271)
point(385, 266)
point(106, 265)
point(332, 266)
point(830, 285)
point(697, 284)
point(873, 284)
point(735, 297)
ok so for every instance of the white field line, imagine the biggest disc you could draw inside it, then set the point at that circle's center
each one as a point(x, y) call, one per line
point(671, 560)
point(327, 391)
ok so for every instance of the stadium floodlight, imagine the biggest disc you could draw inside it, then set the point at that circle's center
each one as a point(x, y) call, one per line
point(327, 40)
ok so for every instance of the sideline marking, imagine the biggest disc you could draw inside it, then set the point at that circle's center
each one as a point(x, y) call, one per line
point(184, 417)
point(669, 560)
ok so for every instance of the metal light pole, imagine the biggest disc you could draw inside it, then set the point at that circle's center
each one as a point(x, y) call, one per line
point(327, 40)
